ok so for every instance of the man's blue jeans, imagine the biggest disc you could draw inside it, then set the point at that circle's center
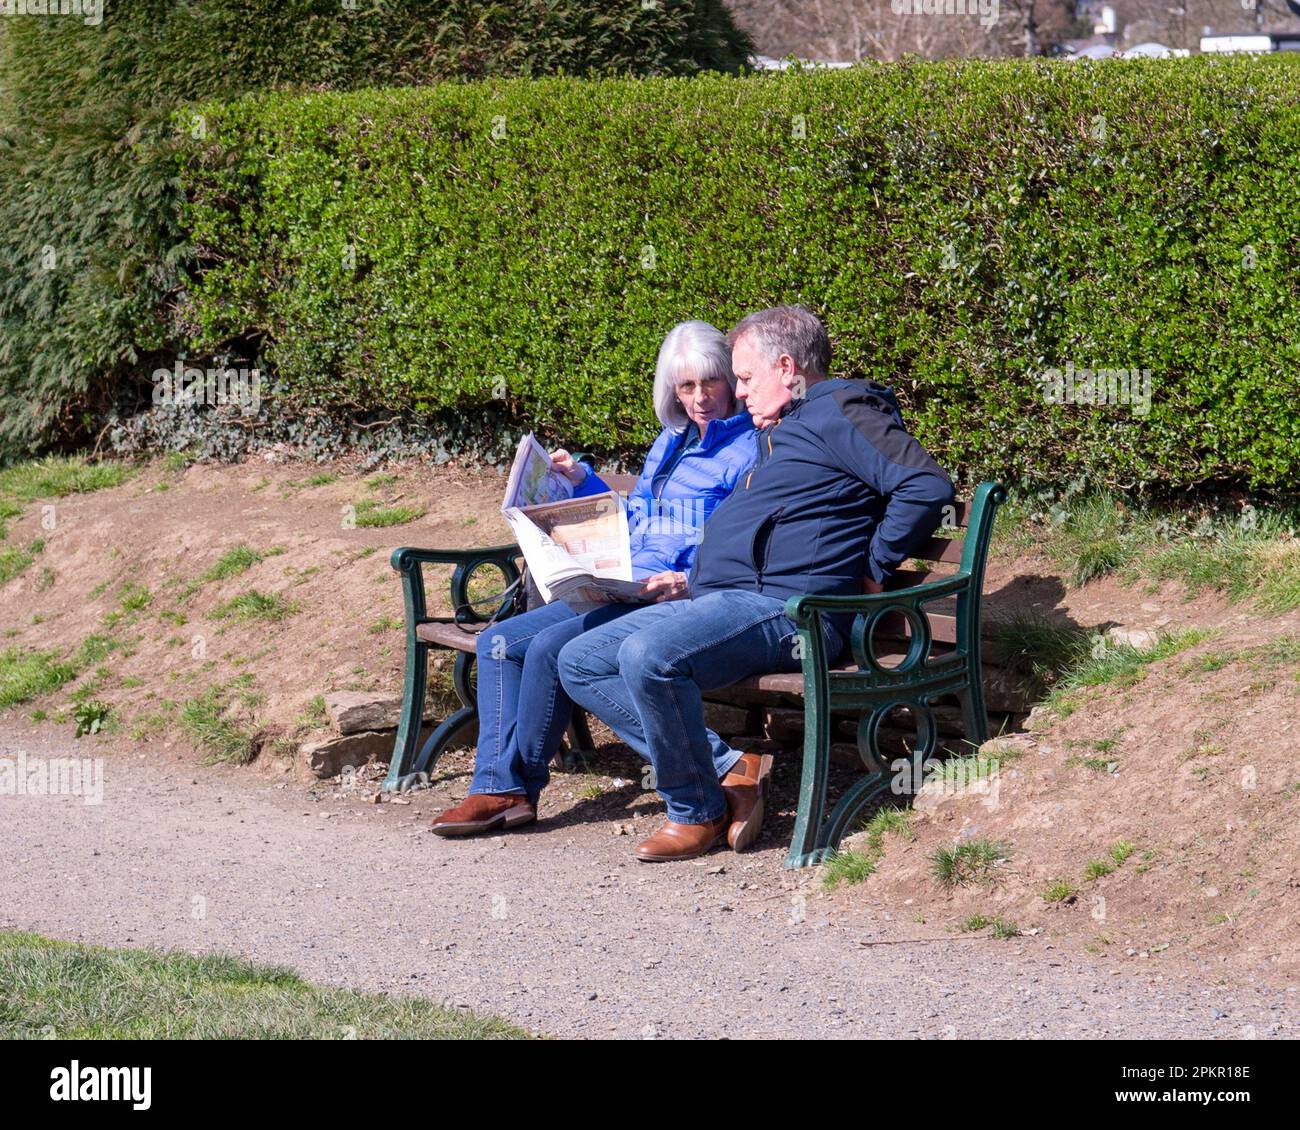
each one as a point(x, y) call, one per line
point(522, 708)
point(643, 675)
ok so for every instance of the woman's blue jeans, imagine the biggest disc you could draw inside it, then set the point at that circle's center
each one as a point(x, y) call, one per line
point(523, 710)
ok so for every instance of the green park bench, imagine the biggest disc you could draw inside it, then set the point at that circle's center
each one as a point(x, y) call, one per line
point(901, 653)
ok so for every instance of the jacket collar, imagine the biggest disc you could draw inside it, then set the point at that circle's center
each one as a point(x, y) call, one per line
point(720, 431)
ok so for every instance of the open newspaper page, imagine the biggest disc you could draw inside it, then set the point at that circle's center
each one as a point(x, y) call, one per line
point(577, 550)
point(532, 478)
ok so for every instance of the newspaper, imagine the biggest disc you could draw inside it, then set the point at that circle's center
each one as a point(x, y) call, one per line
point(532, 478)
point(577, 549)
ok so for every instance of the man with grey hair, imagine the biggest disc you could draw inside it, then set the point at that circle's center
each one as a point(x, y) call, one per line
point(840, 496)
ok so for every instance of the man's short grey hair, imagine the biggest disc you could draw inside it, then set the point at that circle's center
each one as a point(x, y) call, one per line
point(795, 330)
point(692, 350)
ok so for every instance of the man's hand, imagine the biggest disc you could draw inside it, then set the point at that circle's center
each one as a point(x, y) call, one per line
point(870, 586)
point(665, 586)
point(569, 467)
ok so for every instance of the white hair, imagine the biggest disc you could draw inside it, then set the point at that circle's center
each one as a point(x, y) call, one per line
point(692, 350)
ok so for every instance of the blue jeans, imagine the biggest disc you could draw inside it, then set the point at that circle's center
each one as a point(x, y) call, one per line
point(643, 676)
point(522, 709)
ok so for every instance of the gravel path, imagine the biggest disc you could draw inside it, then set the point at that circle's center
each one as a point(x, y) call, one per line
point(557, 929)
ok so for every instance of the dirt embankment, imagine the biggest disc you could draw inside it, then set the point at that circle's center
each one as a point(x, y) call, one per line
point(155, 571)
point(1153, 820)
point(1185, 784)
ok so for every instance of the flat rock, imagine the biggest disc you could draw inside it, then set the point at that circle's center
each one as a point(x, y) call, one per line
point(1141, 638)
point(330, 756)
point(327, 758)
point(359, 712)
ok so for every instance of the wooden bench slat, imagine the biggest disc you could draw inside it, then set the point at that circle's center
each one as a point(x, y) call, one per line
point(454, 636)
point(941, 549)
point(621, 483)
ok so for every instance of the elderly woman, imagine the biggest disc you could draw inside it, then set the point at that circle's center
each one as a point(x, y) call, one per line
point(707, 444)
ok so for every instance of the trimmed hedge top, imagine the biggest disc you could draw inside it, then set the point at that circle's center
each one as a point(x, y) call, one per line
point(990, 238)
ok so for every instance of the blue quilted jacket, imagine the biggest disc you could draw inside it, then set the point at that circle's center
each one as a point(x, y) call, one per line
point(666, 530)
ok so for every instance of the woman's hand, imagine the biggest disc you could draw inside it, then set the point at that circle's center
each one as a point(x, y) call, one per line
point(569, 467)
point(665, 586)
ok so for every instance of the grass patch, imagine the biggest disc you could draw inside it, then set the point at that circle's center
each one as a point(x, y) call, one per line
point(322, 480)
point(135, 598)
point(238, 560)
point(1058, 891)
point(58, 476)
point(1119, 665)
point(385, 624)
point(7, 510)
point(25, 675)
point(955, 774)
point(968, 862)
point(371, 513)
point(1039, 648)
point(95, 993)
point(848, 867)
point(220, 736)
point(851, 867)
point(1096, 869)
point(1277, 653)
point(1244, 555)
point(1120, 851)
point(13, 562)
point(1002, 927)
point(95, 648)
point(254, 605)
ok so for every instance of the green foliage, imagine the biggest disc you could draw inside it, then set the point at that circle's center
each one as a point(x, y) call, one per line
point(964, 227)
point(92, 716)
point(1096, 869)
point(1039, 647)
point(92, 254)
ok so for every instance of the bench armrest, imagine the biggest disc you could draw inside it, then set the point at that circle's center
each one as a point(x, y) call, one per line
point(868, 610)
point(800, 609)
point(408, 562)
point(407, 557)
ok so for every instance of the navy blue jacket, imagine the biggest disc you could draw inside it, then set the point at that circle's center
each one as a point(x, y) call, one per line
point(840, 491)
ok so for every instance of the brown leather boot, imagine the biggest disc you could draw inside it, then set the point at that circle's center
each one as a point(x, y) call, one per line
point(745, 787)
point(484, 812)
point(682, 841)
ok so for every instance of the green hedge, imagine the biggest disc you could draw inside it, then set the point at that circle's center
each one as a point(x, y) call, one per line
point(963, 228)
point(89, 172)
